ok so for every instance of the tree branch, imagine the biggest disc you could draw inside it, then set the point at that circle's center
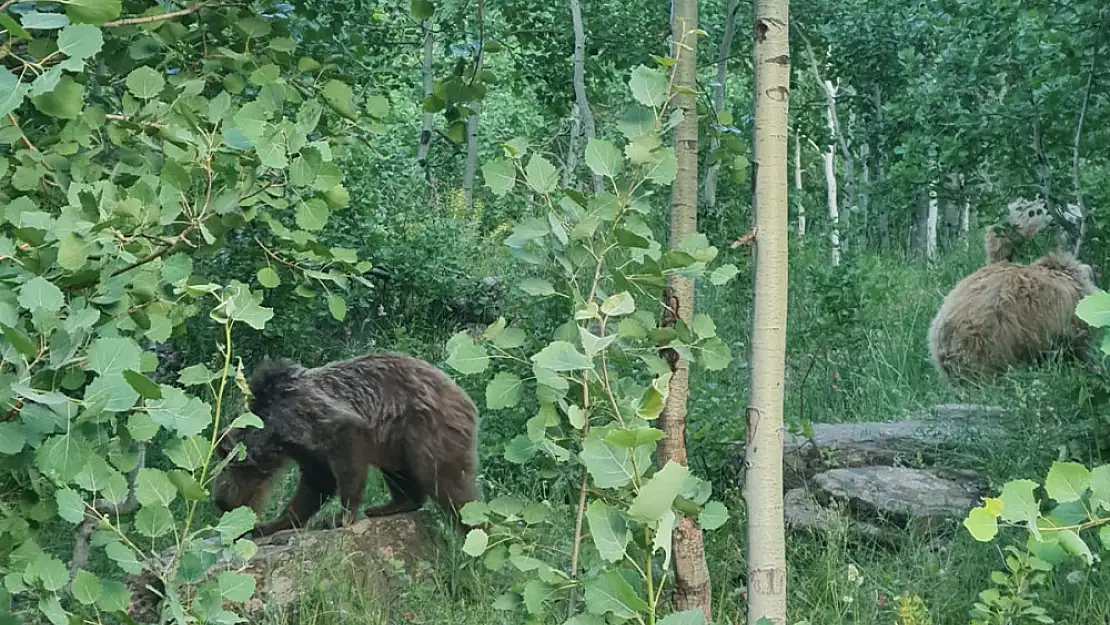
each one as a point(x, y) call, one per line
point(1076, 178)
point(147, 19)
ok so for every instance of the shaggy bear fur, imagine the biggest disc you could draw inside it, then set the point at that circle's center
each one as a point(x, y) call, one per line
point(1007, 314)
point(391, 411)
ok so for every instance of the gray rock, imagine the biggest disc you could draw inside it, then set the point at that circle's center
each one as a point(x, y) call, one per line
point(897, 494)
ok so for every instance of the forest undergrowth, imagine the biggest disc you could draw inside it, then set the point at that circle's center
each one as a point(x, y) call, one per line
point(856, 352)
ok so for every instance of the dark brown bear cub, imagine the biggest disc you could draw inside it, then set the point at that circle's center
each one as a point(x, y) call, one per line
point(391, 411)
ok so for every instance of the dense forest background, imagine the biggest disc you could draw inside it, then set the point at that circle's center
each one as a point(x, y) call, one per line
point(913, 127)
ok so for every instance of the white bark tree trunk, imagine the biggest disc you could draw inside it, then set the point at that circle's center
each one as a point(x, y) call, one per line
point(582, 103)
point(763, 485)
point(719, 98)
point(931, 226)
point(798, 184)
point(829, 156)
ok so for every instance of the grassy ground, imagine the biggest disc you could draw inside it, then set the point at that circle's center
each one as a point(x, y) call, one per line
point(856, 351)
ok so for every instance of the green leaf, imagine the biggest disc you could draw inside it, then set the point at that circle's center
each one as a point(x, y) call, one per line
point(114, 355)
point(145, 82)
point(52, 609)
point(1019, 504)
point(177, 412)
point(377, 106)
point(715, 354)
point(619, 304)
point(476, 542)
point(40, 294)
point(713, 515)
point(663, 171)
point(73, 252)
point(510, 338)
point(337, 306)
point(124, 557)
point(500, 176)
point(520, 450)
point(612, 593)
point(561, 356)
point(141, 426)
point(70, 505)
point(241, 304)
point(503, 391)
point(312, 214)
point(603, 158)
point(268, 278)
point(188, 453)
point(114, 597)
point(235, 523)
point(537, 287)
point(1067, 481)
point(693, 616)
point(703, 326)
point(85, 587)
point(609, 530)
point(64, 101)
point(723, 274)
point(649, 86)
point(338, 95)
point(196, 375)
point(247, 420)
point(981, 524)
point(153, 487)
point(609, 466)
point(422, 10)
point(51, 572)
point(236, 587)
point(153, 521)
point(185, 484)
point(1074, 545)
point(466, 356)
point(20, 342)
point(633, 437)
point(1095, 309)
point(1100, 485)
point(541, 175)
point(93, 11)
point(657, 495)
point(143, 385)
point(34, 20)
point(12, 91)
point(593, 344)
point(80, 41)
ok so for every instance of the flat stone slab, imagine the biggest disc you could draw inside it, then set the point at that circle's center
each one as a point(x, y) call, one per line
point(897, 494)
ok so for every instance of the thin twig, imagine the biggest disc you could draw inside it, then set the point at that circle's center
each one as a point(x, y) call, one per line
point(1075, 146)
point(4, 7)
point(147, 19)
point(158, 253)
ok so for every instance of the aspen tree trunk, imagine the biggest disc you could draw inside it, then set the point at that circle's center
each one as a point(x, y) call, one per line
point(763, 483)
point(692, 589)
point(471, 157)
point(798, 184)
point(965, 213)
point(829, 156)
point(719, 98)
point(582, 104)
point(472, 122)
point(427, 119)
point(931, 226)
